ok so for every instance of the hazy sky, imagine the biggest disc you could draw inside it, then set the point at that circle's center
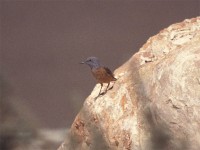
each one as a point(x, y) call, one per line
point(43, 42)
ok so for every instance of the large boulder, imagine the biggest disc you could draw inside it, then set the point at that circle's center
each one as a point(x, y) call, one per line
point(155, 102)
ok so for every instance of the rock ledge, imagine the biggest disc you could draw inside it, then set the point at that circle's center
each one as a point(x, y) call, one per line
point(154, 104)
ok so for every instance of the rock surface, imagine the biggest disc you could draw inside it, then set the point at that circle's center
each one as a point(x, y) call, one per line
point(154, 104)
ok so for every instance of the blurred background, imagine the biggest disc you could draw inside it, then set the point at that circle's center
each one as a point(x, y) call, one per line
point(43, 86)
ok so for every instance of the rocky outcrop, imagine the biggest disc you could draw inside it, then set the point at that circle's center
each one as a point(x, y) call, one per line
point(154, 104)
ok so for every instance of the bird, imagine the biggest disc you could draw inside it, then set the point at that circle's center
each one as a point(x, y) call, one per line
point(101, 73)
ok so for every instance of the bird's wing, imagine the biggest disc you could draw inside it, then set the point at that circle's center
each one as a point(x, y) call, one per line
point(109, 72)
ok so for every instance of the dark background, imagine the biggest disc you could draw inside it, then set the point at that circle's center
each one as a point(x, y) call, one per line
point(42, 43)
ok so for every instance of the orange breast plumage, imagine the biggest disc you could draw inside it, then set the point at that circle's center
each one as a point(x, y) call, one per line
point(103, 75)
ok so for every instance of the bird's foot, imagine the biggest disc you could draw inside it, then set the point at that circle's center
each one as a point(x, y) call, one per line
point(102, 93)
point(110, 88)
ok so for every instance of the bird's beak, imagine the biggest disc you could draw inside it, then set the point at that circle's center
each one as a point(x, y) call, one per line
point(82, 62)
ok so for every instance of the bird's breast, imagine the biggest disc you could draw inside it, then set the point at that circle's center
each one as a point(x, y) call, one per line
point(102, 75)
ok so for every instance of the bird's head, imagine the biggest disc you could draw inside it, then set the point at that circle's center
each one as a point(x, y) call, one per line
point(92, 62)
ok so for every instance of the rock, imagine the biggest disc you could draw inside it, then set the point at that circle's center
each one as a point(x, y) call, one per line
point(154, 104)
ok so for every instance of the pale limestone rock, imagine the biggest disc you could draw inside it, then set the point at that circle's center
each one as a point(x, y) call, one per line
point(154, 104)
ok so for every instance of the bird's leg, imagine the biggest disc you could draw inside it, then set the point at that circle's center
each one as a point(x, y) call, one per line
point(111, 86)
point(100, 89)
point(107, 87)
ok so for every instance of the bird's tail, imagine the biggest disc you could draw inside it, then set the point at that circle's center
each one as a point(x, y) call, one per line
point(114, 79)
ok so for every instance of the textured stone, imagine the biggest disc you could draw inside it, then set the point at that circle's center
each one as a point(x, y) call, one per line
point(154, 104)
